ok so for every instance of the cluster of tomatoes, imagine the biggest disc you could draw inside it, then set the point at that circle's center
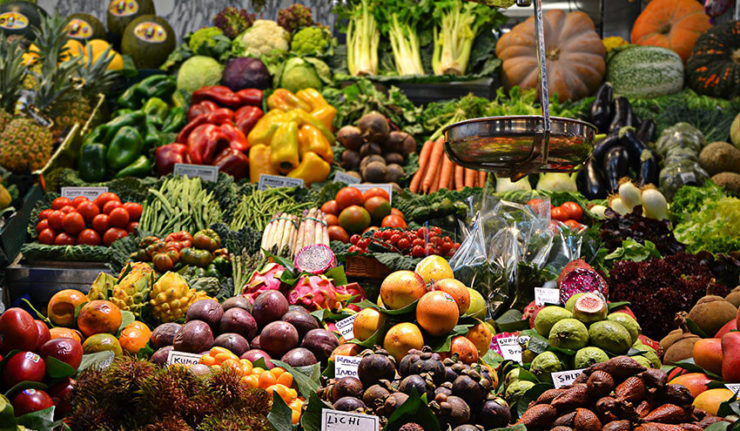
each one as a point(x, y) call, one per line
point(355, 212)
point(417, 243)
point(569, 213)
point(81, 221)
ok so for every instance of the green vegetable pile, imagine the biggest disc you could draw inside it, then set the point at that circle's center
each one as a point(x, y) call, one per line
point(181, 203)
point(256, 209)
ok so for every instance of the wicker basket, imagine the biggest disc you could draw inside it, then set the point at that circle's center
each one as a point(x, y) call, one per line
point(365, 267)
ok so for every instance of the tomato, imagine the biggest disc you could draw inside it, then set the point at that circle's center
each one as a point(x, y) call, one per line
point(101, 200)
point(76, 201)
point(337, 233)
point(134, 210)
point(331, 220)
point(417, 251)
point(100, 223)
point(89, 237)
point(43, 215)
point(330, 207)
point(112, 235)
point(393, 221)
point(55, 219)
point(47, 236)
point(558, 213)
point(534, 202)
point(573, 224)
point(396, 211)
point(60, 203)
point(73, 223)
point(404, 243)
point(375, 191)
point(68, 209)
point(118, 217)
point(88, 210)
point(354, 239)
point(348, 196)
point(64, 239)
point(43, 224)
point(110, 206)
point(573, 210)
point(131, 227)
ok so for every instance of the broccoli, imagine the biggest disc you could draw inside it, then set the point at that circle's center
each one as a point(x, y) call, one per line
point(263, 38)
point(295, 18)
point(311, 40)
point(203, 39)
point(233, 21)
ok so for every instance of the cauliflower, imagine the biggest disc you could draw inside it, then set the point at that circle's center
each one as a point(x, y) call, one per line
point(310, 41)
point(264, 37)
point(203, 39)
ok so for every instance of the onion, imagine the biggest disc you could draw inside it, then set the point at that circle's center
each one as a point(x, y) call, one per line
point(598, 211)
point(654, 205)
point(629, 194)
point(616, 204)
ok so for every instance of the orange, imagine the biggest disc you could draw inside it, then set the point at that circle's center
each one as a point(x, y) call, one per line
point(134, 337)
point(99, 316)
point(61, 308)
point(60, 332)
point(694, 382)
point(707, 354)
point(401, 338)
point(402, 288)
point(465, 349)
point(481, 336)
point(457, 290)
point(437, 313)
point(711, 399)
point(366, 323)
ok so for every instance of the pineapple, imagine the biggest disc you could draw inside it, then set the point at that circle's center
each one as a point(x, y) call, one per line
point(132, 292)
point(25, 145)
point(171, 297)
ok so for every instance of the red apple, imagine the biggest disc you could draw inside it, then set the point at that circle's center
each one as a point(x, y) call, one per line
point(31, 400)
point(61, 393)
point(24, 366)
point(18, 330)
point(67, 350)
point(44, 334)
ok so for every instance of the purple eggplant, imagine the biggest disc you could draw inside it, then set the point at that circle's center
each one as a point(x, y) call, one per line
point(715, 8)
point(622, 114)
point(603, 146)
point(592, 183)
point(616, 166)
point(601, 109)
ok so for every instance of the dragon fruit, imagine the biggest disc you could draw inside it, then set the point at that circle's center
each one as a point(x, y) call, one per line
point(580, 277)
point(530, 312)
point(266, 278)
point(315, 259)
point(314, 292)
point(352, 291)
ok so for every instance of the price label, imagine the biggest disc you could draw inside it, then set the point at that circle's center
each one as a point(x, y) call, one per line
point(341, 177)
point(182, 358)
point(687, 177)
point(273, 181)
point(365, 187)
point(344, 327)
point(734, 387)
point(543, 295)
point(346, 366)
point(335, 420)
point(565, 378)
point(511, 348)
point(91, 193)
point(205, 172)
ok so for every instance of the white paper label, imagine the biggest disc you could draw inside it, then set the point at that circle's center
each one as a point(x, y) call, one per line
point(205, 172)
point(273, 181)
point(341, 177)
point(734, 387)
point(687, 177)
point(344, 327)
point(335, 420)
point(365, 187)
point(346, 366)
point(511, 349)
point(543, 295)
point(182, 358)
point(91, 193)
point(565, 378)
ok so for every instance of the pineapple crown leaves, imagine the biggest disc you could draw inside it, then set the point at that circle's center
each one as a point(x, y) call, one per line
point(93, 71)
point(51, 36)
point(12, 72)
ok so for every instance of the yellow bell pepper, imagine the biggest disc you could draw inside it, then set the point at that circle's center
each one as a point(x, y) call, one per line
point(304, 117)
point(266, 126)
point(285, 100)
point(259, 162)
point(313, 169)
point(326, 115)
point(320, 109)
point(311, 139)
point(284, 147)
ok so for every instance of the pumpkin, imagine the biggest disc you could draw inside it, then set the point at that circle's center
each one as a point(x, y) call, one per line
point(574, 51)
point(672, 24)
point(714, 66)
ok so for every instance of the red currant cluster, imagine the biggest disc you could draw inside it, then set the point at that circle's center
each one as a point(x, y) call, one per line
point(417, 243)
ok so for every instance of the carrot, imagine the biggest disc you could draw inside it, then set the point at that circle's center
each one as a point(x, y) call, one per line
point(446, 172)
point(426, 150)
point(470, 177)
point(437, 183)
point(459, 182)
point(435, 161)
point(482, 175)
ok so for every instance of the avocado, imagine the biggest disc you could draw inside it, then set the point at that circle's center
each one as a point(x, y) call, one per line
point(122, 12)
point(20, 17)
point(149, 40)
point(84, 27)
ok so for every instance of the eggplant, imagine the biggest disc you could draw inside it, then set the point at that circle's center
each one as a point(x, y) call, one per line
point(634, 147)
point(649, 171)
point(616, 166)
point(604, 146)
point(592, 182)
point(646, 131)
point(622, 114)
point(601, 109)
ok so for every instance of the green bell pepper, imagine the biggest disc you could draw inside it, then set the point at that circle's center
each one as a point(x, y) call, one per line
point(175, 120)
point(152, 135)
point(92, 162)
point(96, 135)
point(120, 112)
point(159, 85)
point(180, 99)
point(135, 118)
point(124, 148)
point(212, 271)
point(222, 265)
point(156, 110)
point(141, 167)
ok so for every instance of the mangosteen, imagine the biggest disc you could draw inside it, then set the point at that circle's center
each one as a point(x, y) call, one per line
point(433, 367)
point(450, 374)
point(394, 401)
point(404, 367)
point(454, 411)
point(495, 413)
point(467, 427)
point(443, 390)
point(375, 367)
point(347, 387)
point(349, 404)
point(417, 382)
point(375, 396)
point(469, 390)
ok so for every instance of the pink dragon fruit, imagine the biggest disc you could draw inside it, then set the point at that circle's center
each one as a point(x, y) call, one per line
point(580, 277)
point(315, 259)
point(530, 312)
point(314, 292)
point(347, 292)
point(266, 278)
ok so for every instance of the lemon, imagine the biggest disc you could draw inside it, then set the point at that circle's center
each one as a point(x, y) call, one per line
point(72, 48)
point(116, 63)
point(433, 268)
point(477, 307)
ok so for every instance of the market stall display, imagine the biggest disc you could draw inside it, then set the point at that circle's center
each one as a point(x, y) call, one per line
point(278, 236)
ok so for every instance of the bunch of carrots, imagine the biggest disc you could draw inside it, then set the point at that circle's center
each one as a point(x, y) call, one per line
point(437, 171)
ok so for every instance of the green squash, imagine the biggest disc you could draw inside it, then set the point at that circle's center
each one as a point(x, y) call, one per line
point(645, 71)
point(20, 17)
point(149, 40)
point(122, 12)
point(714, 66)
point(84, 27)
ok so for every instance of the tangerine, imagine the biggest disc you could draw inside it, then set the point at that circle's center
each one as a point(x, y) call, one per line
point(60, 332)
point(465, 349)
point(707, 354)
point(457, 290)
point(481, 336)
point(134, 337)
point(61, 308)
point(402, 288)
point(99, 316)
point(711, 399)
point(437, 312)
point(366, 323)
point(401, 338)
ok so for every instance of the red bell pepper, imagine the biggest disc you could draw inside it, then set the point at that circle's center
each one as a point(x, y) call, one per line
point(182, 137)
point(217, 93)
point(246, 117)
point(220, 116)
point(203, 143)
point(167, 155)
point(250, 96)
point(233, 162)
point(237, 139)
point(203, 107)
